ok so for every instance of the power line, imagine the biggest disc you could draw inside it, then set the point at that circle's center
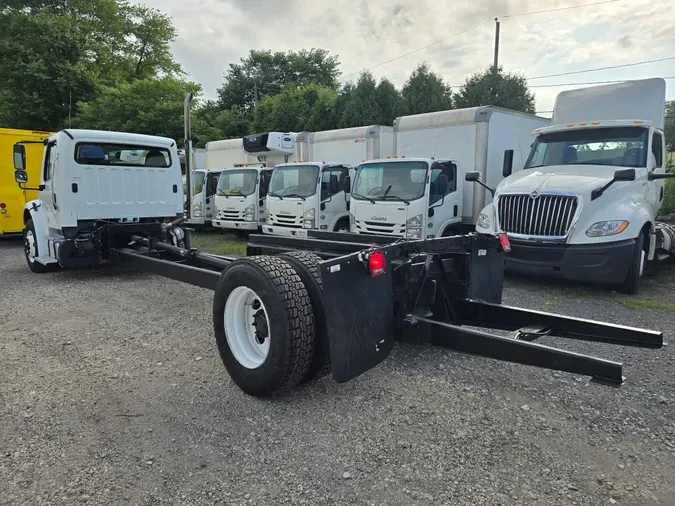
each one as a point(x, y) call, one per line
point(589, 82)
point(602, 68)
point(472, 28)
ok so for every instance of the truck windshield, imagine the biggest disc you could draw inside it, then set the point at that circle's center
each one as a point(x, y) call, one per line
point(390, 181)
point(294, 181)
point(618, 146)
point(237, 182)
point(101, 153)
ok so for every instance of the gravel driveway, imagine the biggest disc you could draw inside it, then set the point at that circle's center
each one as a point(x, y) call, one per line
point(112, 392)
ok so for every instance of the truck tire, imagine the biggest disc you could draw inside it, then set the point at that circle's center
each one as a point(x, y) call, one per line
point(631, 284)
point(30, 250)
point(307, 266)
point(272, 352)
point(342, 226)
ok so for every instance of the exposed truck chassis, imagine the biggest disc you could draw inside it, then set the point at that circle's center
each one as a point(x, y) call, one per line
point(365, 293)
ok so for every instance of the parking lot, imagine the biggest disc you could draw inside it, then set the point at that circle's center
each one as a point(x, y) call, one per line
point(112, 392)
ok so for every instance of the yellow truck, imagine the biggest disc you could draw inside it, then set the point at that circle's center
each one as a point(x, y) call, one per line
point(13, 198)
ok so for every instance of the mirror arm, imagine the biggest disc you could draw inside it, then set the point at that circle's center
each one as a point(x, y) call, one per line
point(492, 192)
point(38, 189)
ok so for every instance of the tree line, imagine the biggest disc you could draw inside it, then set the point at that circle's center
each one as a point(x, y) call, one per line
point(107, 64)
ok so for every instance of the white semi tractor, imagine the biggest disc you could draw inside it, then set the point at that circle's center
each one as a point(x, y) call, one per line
point(242, 189)
point(584, 206)
point(420, 191)
point(313, 193)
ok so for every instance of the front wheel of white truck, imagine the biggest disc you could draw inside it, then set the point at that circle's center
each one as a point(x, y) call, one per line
point(264, 325)
point(30, 250)
point(631, 284)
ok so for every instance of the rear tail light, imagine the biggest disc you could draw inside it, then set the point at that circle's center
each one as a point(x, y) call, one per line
point(504, 242)
point(2, 205)
point(377, 263)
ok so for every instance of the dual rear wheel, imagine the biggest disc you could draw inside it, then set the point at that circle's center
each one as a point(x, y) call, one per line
point(268, 322)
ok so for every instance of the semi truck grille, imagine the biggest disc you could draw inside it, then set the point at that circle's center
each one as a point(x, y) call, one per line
point(544, 216)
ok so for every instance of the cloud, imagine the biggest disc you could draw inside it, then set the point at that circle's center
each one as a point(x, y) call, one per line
point(215, 33)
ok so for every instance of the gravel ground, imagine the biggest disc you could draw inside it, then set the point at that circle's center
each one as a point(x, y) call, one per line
point(112, 393)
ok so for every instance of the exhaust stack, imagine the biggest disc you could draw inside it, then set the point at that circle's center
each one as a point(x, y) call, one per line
point(188, 155)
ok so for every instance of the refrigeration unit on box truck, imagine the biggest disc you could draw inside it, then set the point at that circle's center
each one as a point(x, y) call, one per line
point(585, 205)
point(351, 145)
point(420, 191)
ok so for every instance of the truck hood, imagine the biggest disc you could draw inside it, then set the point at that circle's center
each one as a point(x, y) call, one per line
point(558, 179)
point(289, 207)
point(380, 212)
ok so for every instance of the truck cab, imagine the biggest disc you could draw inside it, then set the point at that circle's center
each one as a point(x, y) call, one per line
point(204, 183)
point(240, 197)
point(584, 206)
point(406, 197)
point(93, 185)
point(308, 196)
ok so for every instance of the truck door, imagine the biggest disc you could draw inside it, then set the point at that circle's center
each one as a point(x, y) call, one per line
point(209, 200)
point(446, 205)
point(48, 197)
point(654, 194)
point(333, 197)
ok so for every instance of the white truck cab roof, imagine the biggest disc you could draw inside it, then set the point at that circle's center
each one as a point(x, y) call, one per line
point(103, 135)
point(609, 123)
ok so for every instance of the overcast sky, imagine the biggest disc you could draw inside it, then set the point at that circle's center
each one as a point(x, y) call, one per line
point(365, 33)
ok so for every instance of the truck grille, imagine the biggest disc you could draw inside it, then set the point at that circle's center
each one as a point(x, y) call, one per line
point(379, 228)
point(286, 220)
point(230, 215)
point(544, 216)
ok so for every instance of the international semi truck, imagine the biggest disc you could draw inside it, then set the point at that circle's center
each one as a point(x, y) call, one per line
point(420, 191)
point(12, 198)
point(584, 206)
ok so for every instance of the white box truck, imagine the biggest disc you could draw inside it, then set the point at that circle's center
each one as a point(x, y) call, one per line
point(351, 145)
point(584, 206)
point(421, 191)
point(242, 188)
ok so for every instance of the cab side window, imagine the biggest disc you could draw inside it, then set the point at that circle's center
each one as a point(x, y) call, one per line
point(338, 172)
point(656, 150)
point(211, 185)
point(450, 171)
point(49, 162)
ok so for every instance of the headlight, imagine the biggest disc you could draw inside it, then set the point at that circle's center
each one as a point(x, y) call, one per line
point(413, 227)
point(197, 209)
point(483, 221)
point(249, 213)
point(605, 228)
point(308, 218)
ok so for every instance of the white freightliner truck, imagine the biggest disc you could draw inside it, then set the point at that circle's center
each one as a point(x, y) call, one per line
point(90, 192)
point(242, 189)
point(584, 206)
point(421, 192)
point(313, 194)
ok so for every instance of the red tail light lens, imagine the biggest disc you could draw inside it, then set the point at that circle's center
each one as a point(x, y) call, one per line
point(2, 205)
point(504, 242)
point(377, 263)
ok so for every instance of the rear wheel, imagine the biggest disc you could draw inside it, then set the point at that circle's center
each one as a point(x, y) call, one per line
point(631, 284)
point(264, 325)
point(308, 267)
point(30, 249)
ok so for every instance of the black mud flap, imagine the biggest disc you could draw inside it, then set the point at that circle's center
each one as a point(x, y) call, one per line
point(359, 315)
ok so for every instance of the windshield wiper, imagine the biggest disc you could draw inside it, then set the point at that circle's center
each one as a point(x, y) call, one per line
point(295, 195)
point(357, 195)
point(275, 195)
point(385, 197)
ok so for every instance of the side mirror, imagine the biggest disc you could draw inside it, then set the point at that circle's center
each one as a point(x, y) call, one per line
point(442, 184)
point(624, 175)
point(21, 176)
point(333, 184)
point(507, 167)
point(472, 176)
point(347, 184)
point(19, 157)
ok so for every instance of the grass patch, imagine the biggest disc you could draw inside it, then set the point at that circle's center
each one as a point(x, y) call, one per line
point(219, 243)
point(644, 304)
point(549, 304)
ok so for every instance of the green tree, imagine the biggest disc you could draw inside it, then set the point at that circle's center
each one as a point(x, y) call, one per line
point(670, 124)
point(264, 74)
point(209, 123)
point(311, 107)
point(425, 91)
point(57, 53)
point(359, 105)
point(388, 100)
point(146, 106)
point(497, 88)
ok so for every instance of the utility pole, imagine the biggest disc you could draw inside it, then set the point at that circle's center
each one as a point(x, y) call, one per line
point(496, 62)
